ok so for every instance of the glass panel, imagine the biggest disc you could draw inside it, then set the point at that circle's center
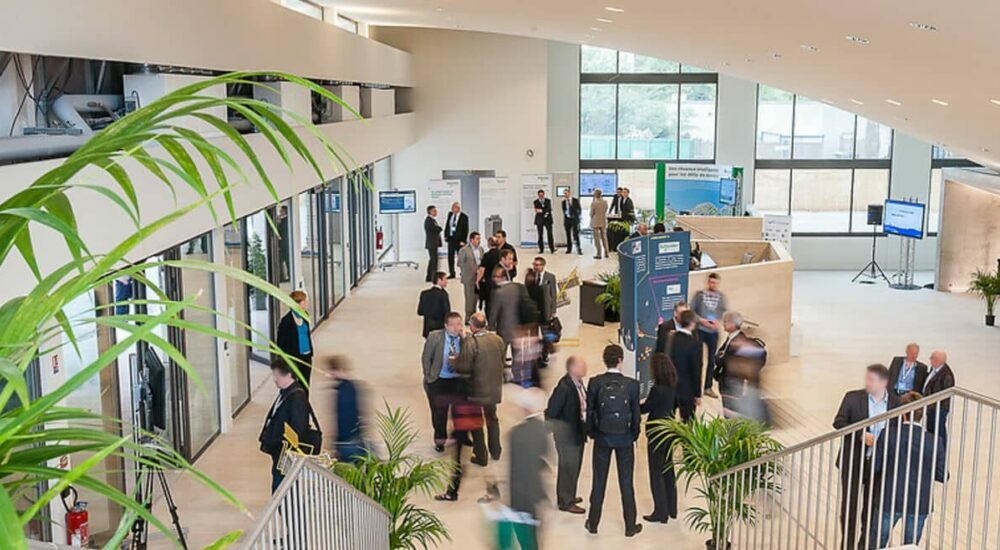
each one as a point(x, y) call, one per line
point(201, 349)
point(821, 201)
point(348, 25)
point(382, 178)
point(874, 140)
point(770, 190)
point(822, 131)
point(642, 188)
point(870, 187)
point(305, 8)
point(234, 249)
point(598, 60)
point(941, 153)
point(634, 63)
point(934, 202)
point(697, 137)
point(647, 121)
point(333, 208)
point(257, 263)
point(309, 249)
point(283, 239)
point(693, 69)
point(597, 121)
point(774, 123)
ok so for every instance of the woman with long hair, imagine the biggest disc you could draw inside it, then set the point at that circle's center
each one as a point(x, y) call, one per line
point(661, 403)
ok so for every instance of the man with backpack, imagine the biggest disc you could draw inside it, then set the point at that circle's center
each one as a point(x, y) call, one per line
point(613, 422)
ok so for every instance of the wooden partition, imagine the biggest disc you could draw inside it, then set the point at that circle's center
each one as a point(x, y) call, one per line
point(741, 228)
point(969, 235)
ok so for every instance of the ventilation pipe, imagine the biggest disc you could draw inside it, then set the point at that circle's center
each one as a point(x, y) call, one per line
point(70, 108)
point(73, 112)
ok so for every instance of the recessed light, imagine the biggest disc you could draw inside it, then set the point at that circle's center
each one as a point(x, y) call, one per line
point(827, 101)
point(923, 26)
point(775, 55)
point(893, 102)
point(995, 101)
point(856, 102)
point(595, 29)
point(810, 48)
point(857, 39)
point(439, 10)
point(614, 9)
point(603, 20)
point(939, 102)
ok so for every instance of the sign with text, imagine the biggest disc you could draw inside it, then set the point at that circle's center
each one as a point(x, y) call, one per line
point(442, 193)
point(531, 184)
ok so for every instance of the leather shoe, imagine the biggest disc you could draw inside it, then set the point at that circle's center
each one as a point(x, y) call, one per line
point(439, 447)
point(577, 500)
point(635, 530)
point(573, 509)
point(652, 519)
point(483, 461)
point(591, 530)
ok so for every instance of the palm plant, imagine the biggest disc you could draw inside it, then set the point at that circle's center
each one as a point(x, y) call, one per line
point(394, 480)
point(611, 298)
point(709, 448)
point(154, 141)
point(986, 285)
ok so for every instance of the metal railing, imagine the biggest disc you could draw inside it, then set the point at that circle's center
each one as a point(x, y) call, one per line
point(314, 509)
point(919, 474)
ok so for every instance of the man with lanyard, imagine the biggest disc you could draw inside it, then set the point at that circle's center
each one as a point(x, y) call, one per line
point(906, 373)
point(444, 386)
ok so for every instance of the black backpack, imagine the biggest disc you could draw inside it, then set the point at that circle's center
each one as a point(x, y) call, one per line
point(614, 411)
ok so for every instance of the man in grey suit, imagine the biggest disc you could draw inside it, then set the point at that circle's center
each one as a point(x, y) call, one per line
point(505, 305)
point(529, 442)
point(549, 286)
point(469, 258)
point(599, 223)
point(443, 382)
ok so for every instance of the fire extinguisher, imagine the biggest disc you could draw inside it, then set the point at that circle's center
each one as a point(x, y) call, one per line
point(379, 238)
point(77, 520)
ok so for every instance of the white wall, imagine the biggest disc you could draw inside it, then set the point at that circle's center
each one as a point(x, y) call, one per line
point(480, 103)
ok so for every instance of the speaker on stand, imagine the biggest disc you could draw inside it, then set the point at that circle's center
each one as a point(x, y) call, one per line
point(872, 272)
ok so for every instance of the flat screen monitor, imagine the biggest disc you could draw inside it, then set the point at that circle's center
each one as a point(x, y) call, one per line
point(727, 191)
point(607, 183)
point(397, 202)
point(905, 219)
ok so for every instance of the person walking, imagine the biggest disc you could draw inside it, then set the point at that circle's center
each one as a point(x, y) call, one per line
point(613, 422)
point(349, 444)
point(529, 446)
point(434, 304)
point(661, 403)
point(543, 222)
point(295, 338)
point(432, 241)
point(483, 358)
point(456, 233)
point(599, 224)
point(567, 416)
point(571, 221)
point(709, 305)
point(290, 410)
point(442, 383)
point(469, 258)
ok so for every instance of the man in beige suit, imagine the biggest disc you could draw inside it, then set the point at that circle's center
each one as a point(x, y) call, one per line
point(599, 223)
point(469, 258)
point(482, 356)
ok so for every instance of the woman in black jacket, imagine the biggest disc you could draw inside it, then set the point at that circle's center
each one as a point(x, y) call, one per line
point(295, 337)
point(661, 403)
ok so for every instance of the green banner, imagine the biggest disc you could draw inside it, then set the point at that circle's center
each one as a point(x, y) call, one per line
point(661, 190)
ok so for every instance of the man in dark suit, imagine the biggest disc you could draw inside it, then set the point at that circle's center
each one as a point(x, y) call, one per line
point(939, 378)
point(456, 233)
point(613, 422)
point(290, 408)
point(547, 281)
point(571, 221)
point(907, 458)
point(504, 244)
point(859, 485)
point(627, 205)
point(543, 221)
point(443, 384)
point(483, 359)
point(906, 374)
point(432, 241)
point(529, 445)
point(434, 304)
point(685, 352)
point(668, 326)
point(505, 305)
point(567, 416)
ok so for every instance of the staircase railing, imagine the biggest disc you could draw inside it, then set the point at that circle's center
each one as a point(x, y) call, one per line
point(933, 463)
point(313, 509)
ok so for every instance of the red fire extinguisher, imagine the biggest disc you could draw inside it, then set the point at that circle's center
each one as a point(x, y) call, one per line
point(379, 238)
point(77, 521)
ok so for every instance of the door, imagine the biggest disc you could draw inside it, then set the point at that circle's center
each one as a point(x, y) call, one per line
point(257, 246)
point(237, 309)
point(470, 192)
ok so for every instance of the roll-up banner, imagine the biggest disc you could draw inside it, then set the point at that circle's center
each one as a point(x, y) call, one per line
point(497, 198)
point(530, 185)
point(442, 193)
point(700, 190)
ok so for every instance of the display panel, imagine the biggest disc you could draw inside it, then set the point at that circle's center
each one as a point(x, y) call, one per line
point(607, 183)
point(905, 219)
point(397, 202)
point(727, 190)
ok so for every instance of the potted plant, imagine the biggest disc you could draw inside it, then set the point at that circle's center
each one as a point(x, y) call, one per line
point(611, 298)
point(708, 448)
point(986, 285)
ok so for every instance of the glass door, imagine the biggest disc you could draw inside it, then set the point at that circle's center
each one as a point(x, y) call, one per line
point(355, 217)
point(257, 247)
point(333, 216)
point(236, 308)
point(280, 235)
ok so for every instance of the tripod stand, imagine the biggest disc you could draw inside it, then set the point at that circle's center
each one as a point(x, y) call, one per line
point(871, 271)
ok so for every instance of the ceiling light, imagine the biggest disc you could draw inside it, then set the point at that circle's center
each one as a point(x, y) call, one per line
point(856, 102)
point(939, 102)
point(439, 9)
point(893, 102)
point(595, 29)
point(614, 9)
point(923, 27)
point(810, 48)
point(775, 55)
point(857, 39)
point(995, 101)
point(603, 20)
point(827, 101)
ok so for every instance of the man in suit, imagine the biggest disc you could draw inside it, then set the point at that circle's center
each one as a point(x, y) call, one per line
point(456, 233)
point(503, 244)
point(627, 206)
point(567, 416)
point(859, 485)
point(668, 326)
point(571, 221)
point(549, 286)
point(939, 378)
point(599, 224)
point(434, 304)
point(615, 210)
point(290, 408)
point(685, 352)
point(469, 258)
point(906, 374)
point(483, 358)
point(908, 459)
point(432, 241)
point(505, 305)
point(543, 221)
point(530, 445)
point(443, 384)
point(613, 422)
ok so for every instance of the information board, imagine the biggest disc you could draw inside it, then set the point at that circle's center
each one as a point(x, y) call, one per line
point(397, 202)
point(905, 219)
point(607, 183)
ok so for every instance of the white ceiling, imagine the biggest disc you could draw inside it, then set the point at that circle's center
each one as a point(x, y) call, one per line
point(956, 64)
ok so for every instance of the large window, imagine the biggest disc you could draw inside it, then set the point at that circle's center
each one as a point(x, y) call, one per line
point(819, 163)
point(636, 110)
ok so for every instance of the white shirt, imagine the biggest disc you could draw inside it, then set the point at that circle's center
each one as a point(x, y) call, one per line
point(615, 369)
point(931, 375)
point(541, 276)
point(685, 331)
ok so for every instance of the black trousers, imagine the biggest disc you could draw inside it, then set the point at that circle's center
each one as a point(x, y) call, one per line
point(711, 341)
point(492, 439)
point(859, 487)
point(686, 407)
point(570, 459)
point(453, 248)
point(276, 476)
point(442, 394)
point(625, 459)
point(541, 241)
point(572, 234)
point(662, 482)
point(432, 263)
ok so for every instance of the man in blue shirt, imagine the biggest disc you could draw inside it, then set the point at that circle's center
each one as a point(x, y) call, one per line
point(442, 383)
point(906, 373)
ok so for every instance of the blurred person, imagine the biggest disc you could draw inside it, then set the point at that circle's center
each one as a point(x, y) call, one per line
point(709, 304)
point(746, 356)
point(442, 383)
point(434, 304)
point(543, 289)
point(484, 277)
point(543, 222)
point(906, 374)
point(684, 351)
point(939, 378)
point(571, 221)
point(529, 446)
point(290, 408)
point(658, 228)
point(599, 224)
point(349, 443)
point(503, 244)
point(856, 452)
point(456, 233)
point(466, 419)
point(613, 422)
point(507, 262)
point(432, 241)
point(511, 306)
point(526, 356)
point(295, 338)
point(567, 416)
point(469, 258)
point(661, 403)
point(668, 326)
point(908, 459)
point(641, 231)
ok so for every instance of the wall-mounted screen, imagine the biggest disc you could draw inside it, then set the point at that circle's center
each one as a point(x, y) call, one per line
point(727, 191)
point(397, 202)
point(905, 219)
point(561, 189)
point(607, 183)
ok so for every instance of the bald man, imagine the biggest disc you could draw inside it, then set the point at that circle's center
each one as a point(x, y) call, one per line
point(938, 380)
point(456, 233)
point(566, 414)
point(906, 373)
